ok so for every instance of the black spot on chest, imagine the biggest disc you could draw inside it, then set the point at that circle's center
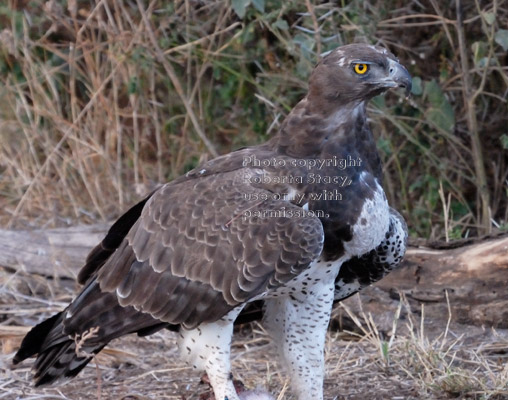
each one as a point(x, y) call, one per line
point(335, 236)
point(342, 215)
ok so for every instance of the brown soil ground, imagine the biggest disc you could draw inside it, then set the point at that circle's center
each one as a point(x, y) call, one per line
point(421, 361)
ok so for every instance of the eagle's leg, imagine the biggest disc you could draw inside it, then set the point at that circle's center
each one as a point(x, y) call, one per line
point(207, 348)
point(298, 323)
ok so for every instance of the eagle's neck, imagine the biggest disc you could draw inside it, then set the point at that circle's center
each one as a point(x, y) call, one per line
point(313, 132)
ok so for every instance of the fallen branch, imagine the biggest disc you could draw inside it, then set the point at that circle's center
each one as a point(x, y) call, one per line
point(475, 277)
point(474, 273)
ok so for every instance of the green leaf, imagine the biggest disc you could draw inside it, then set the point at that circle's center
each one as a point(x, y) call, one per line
point(480, 50)
point(441, 111)
point(385, 348)
point(305, 42)
point(385, 146)
point(443, 118)
point(281, 24)
point(501, 38)
point(416, 88)
point(489, 17)
point(133, 85)
point(504, 141)
point(434, 93)
point(259, 5)
point(240, 6)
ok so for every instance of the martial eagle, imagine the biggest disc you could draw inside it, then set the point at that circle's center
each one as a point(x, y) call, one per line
point(232, 233)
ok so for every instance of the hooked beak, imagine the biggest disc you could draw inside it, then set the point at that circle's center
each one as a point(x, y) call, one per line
point(399, 77)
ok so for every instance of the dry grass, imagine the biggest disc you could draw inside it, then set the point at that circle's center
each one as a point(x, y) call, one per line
point(413, 360)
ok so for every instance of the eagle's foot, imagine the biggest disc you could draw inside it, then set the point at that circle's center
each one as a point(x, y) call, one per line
point(243, 394)
point(239, 387)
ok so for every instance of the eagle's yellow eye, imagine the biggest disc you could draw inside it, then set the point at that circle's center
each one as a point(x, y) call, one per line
point(361, 69)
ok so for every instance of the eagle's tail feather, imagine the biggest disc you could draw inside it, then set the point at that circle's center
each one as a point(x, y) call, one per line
point(66, 342)
point(56, 353)
point(34, 339)
point(60, 362)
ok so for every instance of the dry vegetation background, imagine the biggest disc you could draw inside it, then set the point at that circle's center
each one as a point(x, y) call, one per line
point(101, 101)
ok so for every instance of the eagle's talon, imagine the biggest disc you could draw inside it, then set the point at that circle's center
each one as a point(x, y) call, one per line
point(256, 394)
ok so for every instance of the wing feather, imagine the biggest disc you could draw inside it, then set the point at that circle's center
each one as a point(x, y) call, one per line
point(192, 255)
point(111, 241)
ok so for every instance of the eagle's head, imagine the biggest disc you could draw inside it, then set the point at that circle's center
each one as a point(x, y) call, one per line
point(355, 73)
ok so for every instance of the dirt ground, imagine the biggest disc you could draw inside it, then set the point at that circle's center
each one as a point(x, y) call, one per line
point(415, 359)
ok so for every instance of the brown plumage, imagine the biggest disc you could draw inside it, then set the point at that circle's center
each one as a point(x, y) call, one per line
point(258, 223)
